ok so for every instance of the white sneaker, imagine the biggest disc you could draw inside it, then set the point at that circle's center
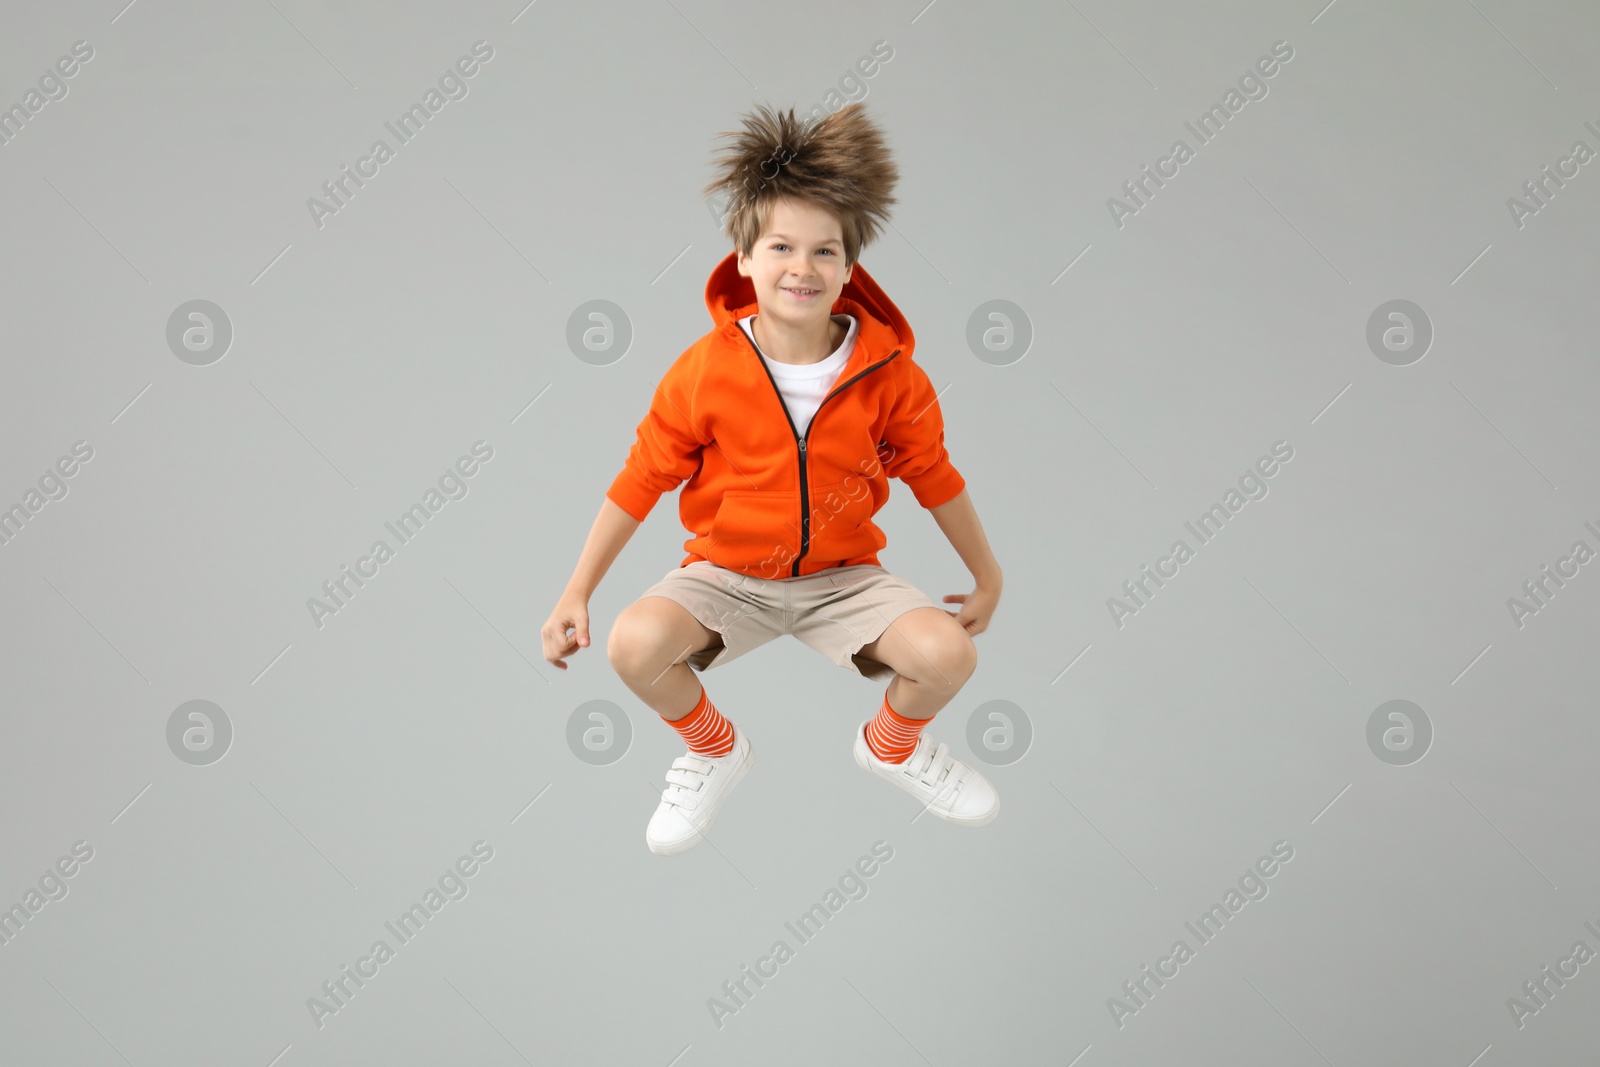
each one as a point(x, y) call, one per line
point(696, 787)
point(941, 783)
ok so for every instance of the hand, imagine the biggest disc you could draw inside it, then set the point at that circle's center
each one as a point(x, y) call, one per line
point(572, 612)
point(976, 607)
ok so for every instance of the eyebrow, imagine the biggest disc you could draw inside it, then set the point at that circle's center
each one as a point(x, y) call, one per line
point(786, 237)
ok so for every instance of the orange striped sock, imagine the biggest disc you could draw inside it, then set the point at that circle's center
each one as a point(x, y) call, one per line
point(704, 729)
point(891, 736)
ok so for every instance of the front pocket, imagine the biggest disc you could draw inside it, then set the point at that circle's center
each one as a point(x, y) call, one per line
point(756, 531)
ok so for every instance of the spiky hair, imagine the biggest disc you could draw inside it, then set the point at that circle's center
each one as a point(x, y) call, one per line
point(839, 162)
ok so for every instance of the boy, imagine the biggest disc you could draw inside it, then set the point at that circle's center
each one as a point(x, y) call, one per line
point(787, 420)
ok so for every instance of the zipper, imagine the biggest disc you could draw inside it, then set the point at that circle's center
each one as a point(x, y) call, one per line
point(800, 441)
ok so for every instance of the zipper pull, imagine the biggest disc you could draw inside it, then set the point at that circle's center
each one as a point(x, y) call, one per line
point(803, 447)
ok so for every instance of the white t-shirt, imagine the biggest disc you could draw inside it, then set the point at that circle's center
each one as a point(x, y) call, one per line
point(803, 385)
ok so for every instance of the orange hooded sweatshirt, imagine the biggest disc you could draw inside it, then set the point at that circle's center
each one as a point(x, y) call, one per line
point(759, 498)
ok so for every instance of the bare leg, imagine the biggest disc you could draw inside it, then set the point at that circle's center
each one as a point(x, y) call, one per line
point(932, 657)
point(648, 647)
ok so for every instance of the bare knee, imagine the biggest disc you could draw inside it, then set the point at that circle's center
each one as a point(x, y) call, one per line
point(634, 641)
point(642, 642)
point(951, 657)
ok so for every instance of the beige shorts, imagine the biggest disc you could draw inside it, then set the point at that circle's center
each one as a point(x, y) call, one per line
point(835, 611)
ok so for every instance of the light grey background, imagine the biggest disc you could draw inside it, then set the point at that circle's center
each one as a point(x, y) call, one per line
point(431, 312)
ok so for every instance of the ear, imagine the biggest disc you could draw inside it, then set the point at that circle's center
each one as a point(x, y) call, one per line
point(744, 264)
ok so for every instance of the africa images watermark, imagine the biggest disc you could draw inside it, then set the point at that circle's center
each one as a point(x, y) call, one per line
point(829, 501)
point(1538, 189)
point(52, 486)
point(1252, 886)
point(1538, 989)
point(452, 486)
point(1253, 486)
point(52, 86)
point(851, 87)
point(52, 887)
point(1541, 590)
point(1212, 122)
point(852, 885)
point(452, 86)
point(452, 886)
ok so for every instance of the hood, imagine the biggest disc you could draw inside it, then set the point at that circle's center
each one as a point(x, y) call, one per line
point(730, 297)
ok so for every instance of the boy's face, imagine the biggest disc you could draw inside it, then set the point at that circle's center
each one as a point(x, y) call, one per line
point(802, 248)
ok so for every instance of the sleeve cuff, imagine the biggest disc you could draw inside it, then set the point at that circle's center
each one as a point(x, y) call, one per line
point(938, 486)
point(630, 497)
